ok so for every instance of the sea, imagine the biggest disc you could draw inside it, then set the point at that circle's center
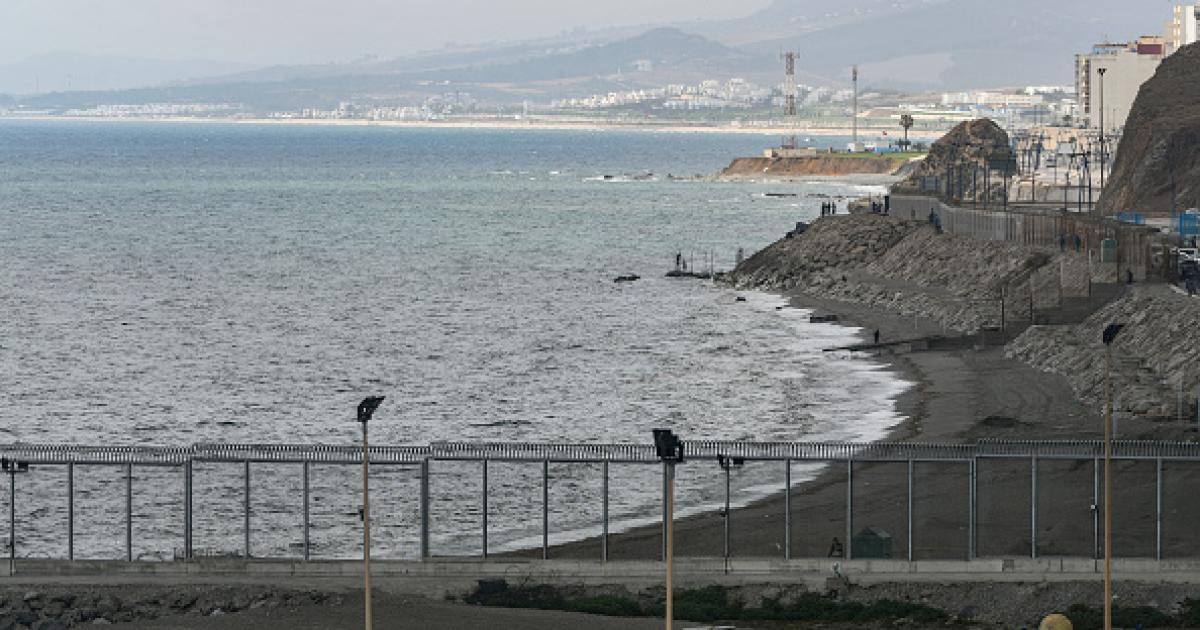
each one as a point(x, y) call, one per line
point(172, 283)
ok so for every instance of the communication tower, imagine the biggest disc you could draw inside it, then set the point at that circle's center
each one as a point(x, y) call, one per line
point(789, 95)
point(854, 77)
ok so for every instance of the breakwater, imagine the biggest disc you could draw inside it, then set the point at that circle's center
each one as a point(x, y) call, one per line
point(820, 165)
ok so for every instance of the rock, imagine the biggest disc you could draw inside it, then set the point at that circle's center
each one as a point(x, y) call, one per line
point(49, 624)
point(972, 143)
point(1158, 147)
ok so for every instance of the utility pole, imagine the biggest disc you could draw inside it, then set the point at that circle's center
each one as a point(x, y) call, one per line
point(1110, 335)
point(365, 410)
point(669, 449)
point(854, 76)
point(1103, 160)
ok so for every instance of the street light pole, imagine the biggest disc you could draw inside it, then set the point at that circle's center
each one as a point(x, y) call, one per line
point(365, 409)
point(1103, 155)
point(669, 449)
point(1110, 335)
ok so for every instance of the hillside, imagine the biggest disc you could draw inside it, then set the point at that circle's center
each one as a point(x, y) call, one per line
point(1157, 154)
point(956, 43)
point(899, 44)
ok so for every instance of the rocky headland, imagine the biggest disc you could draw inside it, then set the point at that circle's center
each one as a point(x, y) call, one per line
point(962, 156)
point(1054, 306)
point(1157, 165)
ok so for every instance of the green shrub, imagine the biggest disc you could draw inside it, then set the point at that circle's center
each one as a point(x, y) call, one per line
point(609, 606)
point(1087, 618)
point(707, 605)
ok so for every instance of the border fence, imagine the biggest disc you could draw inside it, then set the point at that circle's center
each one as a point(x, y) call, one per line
point(845, 461)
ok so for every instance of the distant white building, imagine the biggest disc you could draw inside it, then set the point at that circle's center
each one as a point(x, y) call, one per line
point(1184, 27)
point(1127, 67)
point(991, 100)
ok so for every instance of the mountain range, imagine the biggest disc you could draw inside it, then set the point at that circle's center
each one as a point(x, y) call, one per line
point(901, 44)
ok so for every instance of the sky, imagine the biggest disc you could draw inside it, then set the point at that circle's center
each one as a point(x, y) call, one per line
point(262, 32)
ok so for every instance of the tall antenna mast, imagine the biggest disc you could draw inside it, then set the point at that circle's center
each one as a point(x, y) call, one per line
point(789, 96)
point(855, 121)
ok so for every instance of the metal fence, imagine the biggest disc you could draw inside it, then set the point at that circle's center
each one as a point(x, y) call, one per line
point(844, 459)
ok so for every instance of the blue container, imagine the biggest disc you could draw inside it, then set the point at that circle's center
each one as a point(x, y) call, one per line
point(1189, 225)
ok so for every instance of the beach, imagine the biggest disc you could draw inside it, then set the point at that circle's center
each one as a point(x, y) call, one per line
point(959, 397)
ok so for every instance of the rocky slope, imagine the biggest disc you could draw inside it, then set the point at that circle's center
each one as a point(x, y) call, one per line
point(1157, 351)
point(909, 268)
point(1158, 150)
point(970, 146)
point(748, 168)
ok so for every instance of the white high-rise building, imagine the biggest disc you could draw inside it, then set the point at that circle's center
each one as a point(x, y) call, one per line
point(1127, 67)
point(1184, 27)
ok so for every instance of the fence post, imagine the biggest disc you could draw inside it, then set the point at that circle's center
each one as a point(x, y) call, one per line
point(129, 512)
point(484, 510)
point(71, 511)
point(1033, 505)
point(545, 509)
point(307, 513)
point(424, 509)
point(246, 505)
point(1158, 514)
point(910, 510)
point(972, 507)
point(604, 515)
point(1095, 509)
point(849, 509)
point(787, 509)
point(187, 509)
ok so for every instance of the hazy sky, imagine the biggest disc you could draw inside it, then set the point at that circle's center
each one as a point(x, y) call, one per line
point(294, 31)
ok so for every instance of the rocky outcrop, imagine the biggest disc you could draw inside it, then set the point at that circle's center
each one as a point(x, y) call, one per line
point(830, 245)
point(909, 268)
point(1158, 349)
point(1158, 151)
point(963, 154)
point(828, 165)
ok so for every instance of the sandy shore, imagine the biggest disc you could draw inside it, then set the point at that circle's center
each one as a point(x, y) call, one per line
point(959, 396)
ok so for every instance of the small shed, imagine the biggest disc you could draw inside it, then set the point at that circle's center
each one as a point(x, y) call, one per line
point(872, 543)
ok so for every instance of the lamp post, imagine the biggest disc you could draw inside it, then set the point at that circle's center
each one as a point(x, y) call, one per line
point(1103, 155)
point(366, 409)
point(669, 449)
point(1110, 335)
point(13, 468)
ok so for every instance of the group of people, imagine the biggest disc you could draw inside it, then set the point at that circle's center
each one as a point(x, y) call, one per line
point(829, 208)
point(1075, 241)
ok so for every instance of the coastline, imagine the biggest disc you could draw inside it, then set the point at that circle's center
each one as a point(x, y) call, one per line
point(957, 396)
point(506, 125)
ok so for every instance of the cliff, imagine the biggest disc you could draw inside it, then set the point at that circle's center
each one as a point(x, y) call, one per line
point(821, 165)
point(1158, 150)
